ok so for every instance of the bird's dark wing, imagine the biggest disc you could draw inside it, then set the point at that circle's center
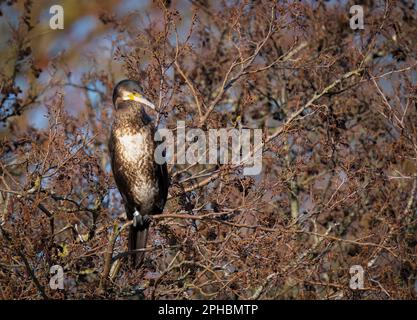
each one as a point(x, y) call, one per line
point(121, 183)
point(163, 182)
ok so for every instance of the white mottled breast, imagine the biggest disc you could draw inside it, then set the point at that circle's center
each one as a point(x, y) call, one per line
point(136, 167)
point(132, 146)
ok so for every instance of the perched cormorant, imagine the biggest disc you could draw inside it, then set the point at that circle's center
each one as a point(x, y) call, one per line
point(142, 182)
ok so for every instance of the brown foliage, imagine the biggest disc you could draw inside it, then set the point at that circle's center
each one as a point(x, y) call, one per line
point(338, 186)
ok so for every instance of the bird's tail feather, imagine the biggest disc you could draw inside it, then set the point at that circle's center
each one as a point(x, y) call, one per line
point(137, 240)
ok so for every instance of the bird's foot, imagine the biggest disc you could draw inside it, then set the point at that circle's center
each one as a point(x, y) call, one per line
point(141, 222)
point(147, 220)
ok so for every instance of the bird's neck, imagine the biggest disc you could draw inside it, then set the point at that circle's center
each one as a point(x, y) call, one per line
point(132, 115)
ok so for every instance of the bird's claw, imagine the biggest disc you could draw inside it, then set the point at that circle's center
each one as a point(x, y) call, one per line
point(139, 221)
point(146, 220)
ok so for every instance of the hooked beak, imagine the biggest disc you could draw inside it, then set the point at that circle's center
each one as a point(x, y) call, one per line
point(141, 99)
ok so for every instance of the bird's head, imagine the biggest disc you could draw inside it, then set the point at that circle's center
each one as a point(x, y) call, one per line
point(130, 90)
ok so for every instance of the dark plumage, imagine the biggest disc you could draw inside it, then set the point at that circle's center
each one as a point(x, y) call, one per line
point(142, 182)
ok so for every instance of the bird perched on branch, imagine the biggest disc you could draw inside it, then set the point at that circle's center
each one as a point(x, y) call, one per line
point(142, 182)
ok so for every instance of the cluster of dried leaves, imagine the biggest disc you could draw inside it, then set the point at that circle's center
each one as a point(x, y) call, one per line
point(338, 187)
